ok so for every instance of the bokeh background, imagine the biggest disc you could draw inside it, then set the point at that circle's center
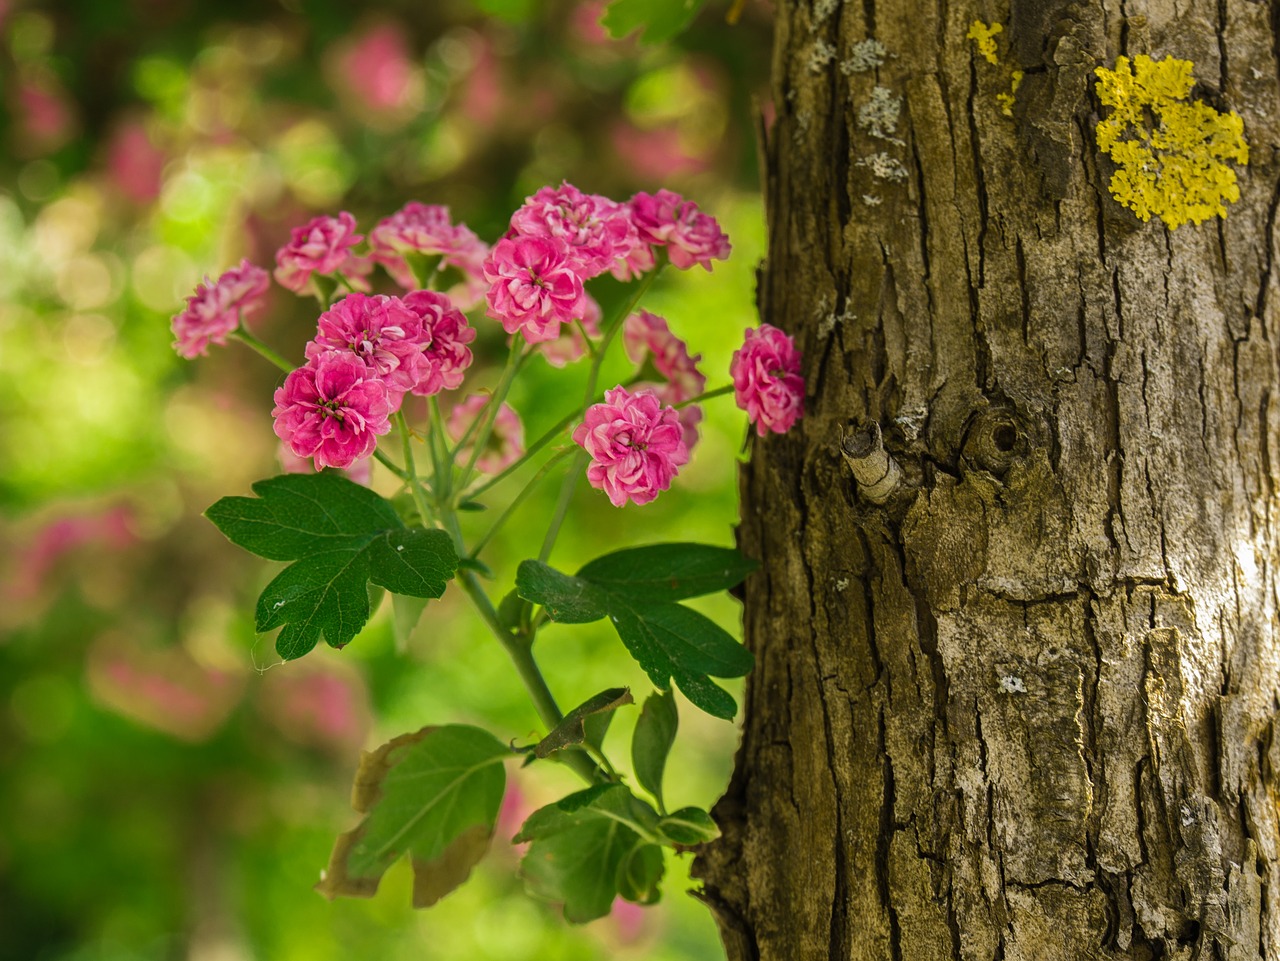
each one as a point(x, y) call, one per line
point(167, 789)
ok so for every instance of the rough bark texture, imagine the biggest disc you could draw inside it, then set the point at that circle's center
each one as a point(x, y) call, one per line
point(1027, 708)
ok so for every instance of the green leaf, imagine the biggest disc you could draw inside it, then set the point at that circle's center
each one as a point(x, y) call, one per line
point(572, 730)
point(640, 873)
point(652, 739)
point(668, 572)
point(688, 826)
point(340, 536)
point(433, 795)
point(514, 612)
point(587, 848)
point(405, 614)
point(660, 19)
point(668, 639)
point(568, 600)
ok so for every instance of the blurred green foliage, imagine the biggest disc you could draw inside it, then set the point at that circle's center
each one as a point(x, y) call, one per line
point(167, 789)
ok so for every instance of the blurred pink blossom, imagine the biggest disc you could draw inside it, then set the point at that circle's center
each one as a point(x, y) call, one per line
point(135, 165)
point(45, 118)
point(656, 154)
point(111, 529)
point(163, 688)
point(319, 705)
point(377, 69)
point(506, 441)
point(570, 345)
point(218, 307)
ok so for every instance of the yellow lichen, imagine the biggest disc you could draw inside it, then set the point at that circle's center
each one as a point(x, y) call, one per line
point(984, 37)
point(1169, 151)
point(1006, 99)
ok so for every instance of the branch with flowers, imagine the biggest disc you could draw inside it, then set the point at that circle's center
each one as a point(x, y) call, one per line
point(435, 794)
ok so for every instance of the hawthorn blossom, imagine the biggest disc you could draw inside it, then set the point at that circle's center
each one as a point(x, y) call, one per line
point(570, 345)
point(598, 231)
point(445, 334)
point(506, 440)
point(321, 246)
point(534, 287)
point(766, 379)
point(666, 219)
point(636, 445)
point(217, 308)
point(332, 409)
point(382, 332)
point(646, 335)
point(426, 229)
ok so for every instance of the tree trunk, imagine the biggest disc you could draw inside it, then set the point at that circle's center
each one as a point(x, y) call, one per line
point(1025, 708)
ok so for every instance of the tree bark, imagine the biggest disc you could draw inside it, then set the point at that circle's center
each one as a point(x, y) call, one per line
point(1025, 708)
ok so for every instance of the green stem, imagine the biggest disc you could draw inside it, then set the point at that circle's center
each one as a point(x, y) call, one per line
point(389, 464)
point(518, 499)
point(242, 334)
point(415, 486)
point(521, 654)
point(490, 415)
point(536, 446)
point(562, 505)
point(439, 454)
point(705, 395)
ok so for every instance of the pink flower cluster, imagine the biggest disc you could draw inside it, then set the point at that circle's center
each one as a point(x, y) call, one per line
point(636, 445)
point(562, 237)
point(766, 380)
point(417, 345)
point(321, 246)
point(218, 307)
point(426, 230)
point(645, 336)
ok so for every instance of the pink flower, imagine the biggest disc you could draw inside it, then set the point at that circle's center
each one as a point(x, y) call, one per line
point(766, 380)
point(534, 287)
point(445, 334)
point(690, 236)
point(506, 441)
point(570, 345)
point(647, 335)
point(383, 332)
point(597, 231)
point(426, 229)
point(217, 308)
point(322, 246)
point(332, 409)
point(636, 445)
point(378, 70)
point(135, 165)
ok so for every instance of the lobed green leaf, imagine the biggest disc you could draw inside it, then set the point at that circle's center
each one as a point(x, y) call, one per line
point(340, 536)
point(433, 795)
